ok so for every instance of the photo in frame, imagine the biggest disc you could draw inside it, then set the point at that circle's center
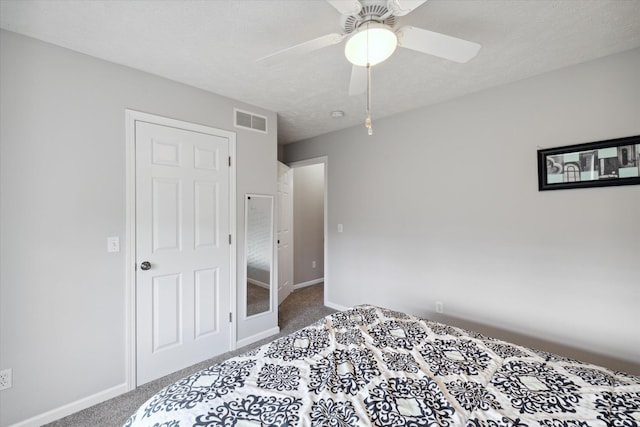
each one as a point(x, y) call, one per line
point(594, 164)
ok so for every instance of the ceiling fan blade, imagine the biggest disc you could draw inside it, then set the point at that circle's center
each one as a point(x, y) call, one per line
point(447, 47)
point(403, 7)
point(358, 82)
point(306, 47)
point(346, 7)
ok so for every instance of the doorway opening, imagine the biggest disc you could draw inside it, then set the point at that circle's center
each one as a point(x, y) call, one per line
point(309, 216)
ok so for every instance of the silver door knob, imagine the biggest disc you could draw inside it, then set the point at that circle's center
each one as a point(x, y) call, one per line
point(146, 265)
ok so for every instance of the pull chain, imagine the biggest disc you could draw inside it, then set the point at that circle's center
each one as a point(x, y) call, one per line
point(367, 121)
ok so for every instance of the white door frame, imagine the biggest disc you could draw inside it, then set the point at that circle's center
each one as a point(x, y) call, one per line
point(324, 160)
point(131, 116)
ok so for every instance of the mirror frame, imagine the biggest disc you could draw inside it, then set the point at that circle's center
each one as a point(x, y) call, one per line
point(247, 198)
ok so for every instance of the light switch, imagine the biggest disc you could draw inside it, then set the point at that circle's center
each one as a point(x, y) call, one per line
point(113, 244)
point(339, 228)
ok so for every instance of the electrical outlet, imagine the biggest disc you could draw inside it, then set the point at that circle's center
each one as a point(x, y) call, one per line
point(5, 379)
point(439, 307)
point(313, 264)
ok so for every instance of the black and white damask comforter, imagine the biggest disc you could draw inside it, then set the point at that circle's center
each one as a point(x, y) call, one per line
point(372, 366)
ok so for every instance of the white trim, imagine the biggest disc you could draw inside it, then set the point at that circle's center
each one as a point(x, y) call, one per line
point(336, 306)
point(325, 161)
point(131, 116)
point(233, 229)
point(130, 252)
point(308, 283)
point(259, 336)
point(73, 407)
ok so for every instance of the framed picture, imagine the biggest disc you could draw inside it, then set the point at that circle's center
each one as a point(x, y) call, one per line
point(595, 164)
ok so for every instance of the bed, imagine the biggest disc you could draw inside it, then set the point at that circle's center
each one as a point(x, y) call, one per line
point(374, 366)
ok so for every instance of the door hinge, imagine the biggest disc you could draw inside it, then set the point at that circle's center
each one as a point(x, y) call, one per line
point(229, 161)
point(230, 317)
point(229, 238)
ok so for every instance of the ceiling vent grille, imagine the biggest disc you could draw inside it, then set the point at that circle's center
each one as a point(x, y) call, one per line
point(247, 120)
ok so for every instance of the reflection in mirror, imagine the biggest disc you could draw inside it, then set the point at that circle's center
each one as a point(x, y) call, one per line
point(259, 252)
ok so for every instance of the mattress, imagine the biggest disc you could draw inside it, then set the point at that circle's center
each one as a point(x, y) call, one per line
point(374, 366)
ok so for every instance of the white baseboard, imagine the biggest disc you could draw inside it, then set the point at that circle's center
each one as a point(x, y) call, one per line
point(257, 337)
point(336, 306)
point(73, 407)
point(309, 283)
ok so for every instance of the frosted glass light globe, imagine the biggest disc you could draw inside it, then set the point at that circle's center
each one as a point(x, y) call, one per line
point(381, 43)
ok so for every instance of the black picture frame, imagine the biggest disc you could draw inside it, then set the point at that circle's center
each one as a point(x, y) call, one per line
point(594, 164)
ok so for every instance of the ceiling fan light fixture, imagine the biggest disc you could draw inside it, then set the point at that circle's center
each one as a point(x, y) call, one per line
point(370, 44)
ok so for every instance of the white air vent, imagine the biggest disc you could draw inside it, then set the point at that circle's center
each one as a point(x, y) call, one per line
point(251, 121)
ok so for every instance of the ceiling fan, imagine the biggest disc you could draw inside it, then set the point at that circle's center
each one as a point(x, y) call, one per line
point(371, 38)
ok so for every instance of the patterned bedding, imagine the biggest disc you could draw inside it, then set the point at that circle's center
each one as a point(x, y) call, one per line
point(373, 366)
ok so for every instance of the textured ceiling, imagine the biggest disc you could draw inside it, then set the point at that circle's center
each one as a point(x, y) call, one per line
point(213, 45)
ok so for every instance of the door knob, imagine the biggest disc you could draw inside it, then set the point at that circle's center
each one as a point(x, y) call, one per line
point(146, 265)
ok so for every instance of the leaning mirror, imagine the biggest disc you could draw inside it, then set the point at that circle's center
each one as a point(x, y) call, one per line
point(259, 253)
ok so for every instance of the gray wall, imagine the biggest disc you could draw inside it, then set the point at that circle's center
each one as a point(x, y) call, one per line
point(308, 223)
point(62, 149)
point(441, 204)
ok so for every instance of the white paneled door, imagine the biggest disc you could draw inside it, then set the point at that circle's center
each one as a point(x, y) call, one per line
point(285, 231)
point(182, 248)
